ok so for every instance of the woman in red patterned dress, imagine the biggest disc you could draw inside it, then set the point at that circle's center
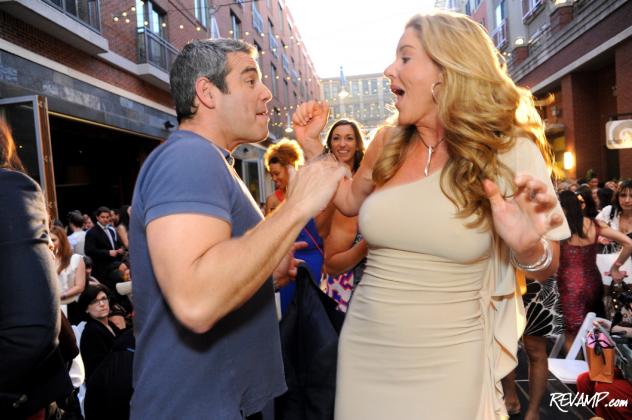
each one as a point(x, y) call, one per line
point(578, 277)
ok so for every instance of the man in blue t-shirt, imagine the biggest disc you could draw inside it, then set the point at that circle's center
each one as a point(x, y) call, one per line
point(203, 261)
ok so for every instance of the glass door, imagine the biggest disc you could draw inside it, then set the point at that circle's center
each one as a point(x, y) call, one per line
point(28, 118)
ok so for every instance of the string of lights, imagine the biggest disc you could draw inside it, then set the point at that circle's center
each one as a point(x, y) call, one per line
point(125, 17)
point(130, 16)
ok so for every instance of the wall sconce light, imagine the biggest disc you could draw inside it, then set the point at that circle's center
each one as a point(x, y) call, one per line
point(519, 41)
point(569, 161)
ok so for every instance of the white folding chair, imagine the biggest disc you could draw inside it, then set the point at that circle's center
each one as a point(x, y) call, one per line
point(568, 369)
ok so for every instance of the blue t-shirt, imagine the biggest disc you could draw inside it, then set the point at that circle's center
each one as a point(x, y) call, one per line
point(234, 369)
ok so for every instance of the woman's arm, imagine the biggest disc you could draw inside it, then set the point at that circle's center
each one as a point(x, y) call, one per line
point(341, 255)
point(625, 253)
point(121, 231)
point(80, 282)
point(272, 203)
point(352, 193)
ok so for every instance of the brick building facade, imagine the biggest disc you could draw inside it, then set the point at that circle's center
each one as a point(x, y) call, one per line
point(576, 56)
point(85, 85)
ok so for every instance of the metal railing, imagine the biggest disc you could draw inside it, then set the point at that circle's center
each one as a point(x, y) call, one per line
point(154, 50)
point(86, 12)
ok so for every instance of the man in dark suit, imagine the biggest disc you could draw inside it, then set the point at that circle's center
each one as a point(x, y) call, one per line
point(32, 371)
point(102, 244)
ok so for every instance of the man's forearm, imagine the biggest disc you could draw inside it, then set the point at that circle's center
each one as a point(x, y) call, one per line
point(231, 272)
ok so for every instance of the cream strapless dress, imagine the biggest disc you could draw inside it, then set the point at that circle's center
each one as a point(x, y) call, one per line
point(434, 323)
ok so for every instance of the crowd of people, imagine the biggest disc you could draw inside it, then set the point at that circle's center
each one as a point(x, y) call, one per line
point(422, 239)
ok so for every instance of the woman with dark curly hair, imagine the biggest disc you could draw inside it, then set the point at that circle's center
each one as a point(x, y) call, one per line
point(279, 159)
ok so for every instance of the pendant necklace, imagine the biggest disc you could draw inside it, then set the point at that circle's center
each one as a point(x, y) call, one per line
point(430, 151)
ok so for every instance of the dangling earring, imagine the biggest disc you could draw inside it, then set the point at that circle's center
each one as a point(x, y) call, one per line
point(432, 91)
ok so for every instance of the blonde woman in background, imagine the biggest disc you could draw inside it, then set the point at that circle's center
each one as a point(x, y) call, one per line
point(451, 201)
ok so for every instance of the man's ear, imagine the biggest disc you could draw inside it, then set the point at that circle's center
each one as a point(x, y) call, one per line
point(205, 92)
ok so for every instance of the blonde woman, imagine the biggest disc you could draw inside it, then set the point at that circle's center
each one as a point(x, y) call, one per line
point(450, 201)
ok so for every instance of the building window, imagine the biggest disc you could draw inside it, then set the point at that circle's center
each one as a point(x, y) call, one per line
point(500, 13)
point(374, 86)
point(281, 14)
point(285, 61)
point(215, 28)
point(273, 79)
point(259, 55)
point(365, 87)
point(274, 46)
point(201, 11)
point(355, 87)
point(287, 92)
point(87, 11)
point(235, 25)
point(150, 17)
point(530, 8)
point(257, 20)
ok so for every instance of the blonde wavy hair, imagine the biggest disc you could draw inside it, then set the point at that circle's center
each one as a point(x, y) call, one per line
point(481, 109)
point(286, 152)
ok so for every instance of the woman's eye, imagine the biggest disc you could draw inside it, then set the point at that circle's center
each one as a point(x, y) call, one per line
point(405, 59)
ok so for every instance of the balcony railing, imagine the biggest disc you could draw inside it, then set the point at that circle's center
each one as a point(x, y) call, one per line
point(499, 36)
point(155, 50)
point(84, 11)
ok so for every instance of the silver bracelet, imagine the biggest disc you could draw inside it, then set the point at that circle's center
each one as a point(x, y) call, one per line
point(543, 263)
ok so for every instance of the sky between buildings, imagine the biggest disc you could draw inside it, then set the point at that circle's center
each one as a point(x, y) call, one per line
point(360, 35)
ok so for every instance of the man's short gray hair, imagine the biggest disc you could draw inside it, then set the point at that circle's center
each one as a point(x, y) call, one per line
point(202, 58)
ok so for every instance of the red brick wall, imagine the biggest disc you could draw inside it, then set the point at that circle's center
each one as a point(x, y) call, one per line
point(31, 38)
point(579, 116)
point(122, 40)
point(623, 66)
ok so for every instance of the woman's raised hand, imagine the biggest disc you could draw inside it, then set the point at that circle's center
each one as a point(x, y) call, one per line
point(308, 121)
point(524, 218)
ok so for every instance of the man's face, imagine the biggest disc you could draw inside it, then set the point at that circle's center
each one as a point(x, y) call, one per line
point(243, 110)
point(104, 218)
